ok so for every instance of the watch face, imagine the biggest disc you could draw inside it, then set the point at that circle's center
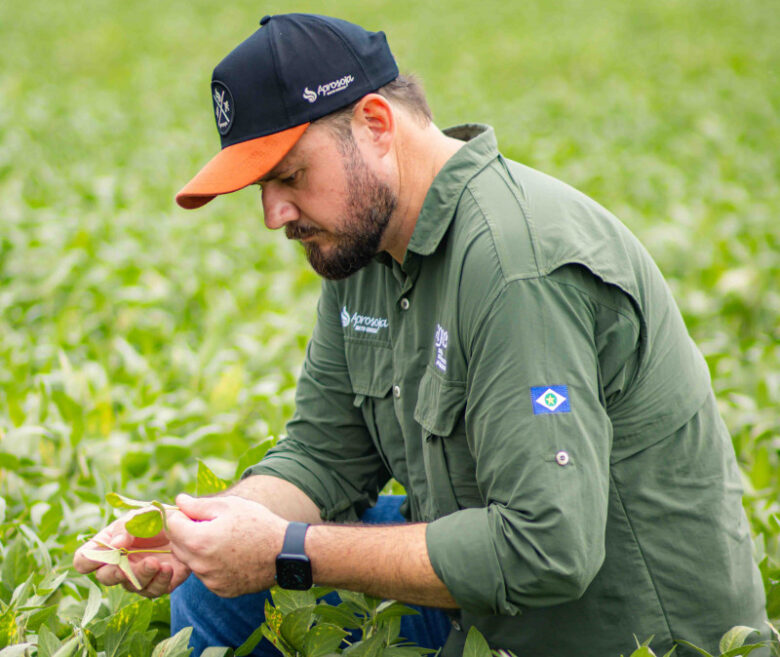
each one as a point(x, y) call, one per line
point(293, 572)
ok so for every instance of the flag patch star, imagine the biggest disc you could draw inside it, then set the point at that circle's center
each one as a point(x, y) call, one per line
point(550, 399)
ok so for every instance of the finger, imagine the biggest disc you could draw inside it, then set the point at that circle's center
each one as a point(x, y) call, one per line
point(145, 571)
point(160, 584)
point(198, 508)
point(110, 575)
point(82, 563)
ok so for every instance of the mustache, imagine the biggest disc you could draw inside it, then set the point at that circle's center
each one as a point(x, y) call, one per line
point(295, 231)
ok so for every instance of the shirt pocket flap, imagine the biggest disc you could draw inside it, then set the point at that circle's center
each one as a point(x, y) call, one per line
point(370, 369)
point(440, 403)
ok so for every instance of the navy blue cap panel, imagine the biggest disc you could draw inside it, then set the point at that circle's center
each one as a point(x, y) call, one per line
point(348, 63)
point(257, 102)
point(295, 69)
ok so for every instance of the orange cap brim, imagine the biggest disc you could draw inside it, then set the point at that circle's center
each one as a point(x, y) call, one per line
point(237, 166)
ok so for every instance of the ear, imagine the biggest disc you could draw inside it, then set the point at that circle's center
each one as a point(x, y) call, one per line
point(373, 123)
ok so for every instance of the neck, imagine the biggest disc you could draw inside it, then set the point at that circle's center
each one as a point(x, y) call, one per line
point(421, 152)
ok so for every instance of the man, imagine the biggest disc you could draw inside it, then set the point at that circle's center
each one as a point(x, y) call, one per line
point(494, 340)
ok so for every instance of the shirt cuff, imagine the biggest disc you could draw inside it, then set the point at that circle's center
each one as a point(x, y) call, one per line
point(464, 557)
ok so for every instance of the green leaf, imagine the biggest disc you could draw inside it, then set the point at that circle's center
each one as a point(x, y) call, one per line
point(735, 637)
point(249, 645)
point(145, 524)
point(127, 569)
point(339, 615)
point(48, 643)
point(50, 520)
point(121, 502)
point(360, 602)
point(68, 649)
point(295, 626)
point(117, 631)
point(207, 482)
point(371, 647)
point(696, 648)
point(17, 650)
point(392, 609)
point(277, 641)
point(220, 651)
point(745, 649)
point(252, 456)
point(643, 651)
point(476, 645)
point(322, 639)
point(38, 618)
point(287, 600)
point(92, 607)
point(112, 556)
point(175, 646)
point(406, 651)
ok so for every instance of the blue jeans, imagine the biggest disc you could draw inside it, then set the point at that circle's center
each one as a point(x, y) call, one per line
point(229, 621)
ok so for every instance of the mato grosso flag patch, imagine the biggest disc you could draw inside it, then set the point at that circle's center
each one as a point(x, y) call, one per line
point(550, 399)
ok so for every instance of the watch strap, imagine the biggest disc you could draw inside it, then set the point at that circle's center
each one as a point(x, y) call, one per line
point(294, 538)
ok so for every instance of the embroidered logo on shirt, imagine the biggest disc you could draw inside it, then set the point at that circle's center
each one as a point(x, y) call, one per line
point(440, 344)
point(362, 323)
point(550, 399)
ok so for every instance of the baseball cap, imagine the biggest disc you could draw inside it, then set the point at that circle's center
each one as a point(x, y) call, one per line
point(295, 69)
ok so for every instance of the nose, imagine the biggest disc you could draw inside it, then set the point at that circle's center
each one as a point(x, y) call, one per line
point(278, 210)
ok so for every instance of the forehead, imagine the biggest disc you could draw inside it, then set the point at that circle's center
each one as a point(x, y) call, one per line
point(314, 145)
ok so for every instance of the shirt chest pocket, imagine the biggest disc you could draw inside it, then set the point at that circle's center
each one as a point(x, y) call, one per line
point(371, 373)
point(450, 469)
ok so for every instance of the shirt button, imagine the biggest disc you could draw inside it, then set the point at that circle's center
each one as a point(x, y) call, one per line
point(562, 457)
point(404, 304)
point(456, 626)
point(397, 391)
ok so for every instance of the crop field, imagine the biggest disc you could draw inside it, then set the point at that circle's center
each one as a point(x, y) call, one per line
point(138, 339)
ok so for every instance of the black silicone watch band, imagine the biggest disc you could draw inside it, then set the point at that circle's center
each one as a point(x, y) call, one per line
point(294, 538)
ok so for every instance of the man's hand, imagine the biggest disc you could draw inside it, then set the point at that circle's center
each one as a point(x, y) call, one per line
point(157, 573)
point(229, 542)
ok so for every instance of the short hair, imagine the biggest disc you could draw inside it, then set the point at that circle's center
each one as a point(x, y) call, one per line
point(405, 90)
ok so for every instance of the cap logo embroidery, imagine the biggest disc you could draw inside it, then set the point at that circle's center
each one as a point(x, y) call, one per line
point(327, 89)
point(223, 106)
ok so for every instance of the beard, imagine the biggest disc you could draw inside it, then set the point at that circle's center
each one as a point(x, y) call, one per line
point(370, 203)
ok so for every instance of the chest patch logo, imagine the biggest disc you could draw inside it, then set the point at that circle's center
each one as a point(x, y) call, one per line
point(550, 399)
point(440, 344)
point(362, 323)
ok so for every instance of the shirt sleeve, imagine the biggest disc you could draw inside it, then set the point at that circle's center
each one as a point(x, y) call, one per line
point(328, 452)
point(540, 437)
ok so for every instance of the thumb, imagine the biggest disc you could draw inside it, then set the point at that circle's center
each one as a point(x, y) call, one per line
point(197, 508)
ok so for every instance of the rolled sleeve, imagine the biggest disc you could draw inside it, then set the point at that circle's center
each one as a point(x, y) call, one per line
point(544, 476)
point(328, 452)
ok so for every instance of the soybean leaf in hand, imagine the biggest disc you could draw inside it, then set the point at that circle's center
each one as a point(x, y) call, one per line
point(111, 556)
point(146, 524)
point(121, 502)
point(127, 569)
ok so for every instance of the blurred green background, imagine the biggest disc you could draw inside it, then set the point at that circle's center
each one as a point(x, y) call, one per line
point(136, 337)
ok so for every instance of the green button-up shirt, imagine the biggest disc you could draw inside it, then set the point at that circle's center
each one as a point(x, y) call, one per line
point(527, 376)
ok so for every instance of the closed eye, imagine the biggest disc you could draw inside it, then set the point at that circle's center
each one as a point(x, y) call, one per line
point(293, 177)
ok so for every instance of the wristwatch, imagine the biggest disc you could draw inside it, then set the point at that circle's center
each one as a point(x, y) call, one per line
point(293, 568)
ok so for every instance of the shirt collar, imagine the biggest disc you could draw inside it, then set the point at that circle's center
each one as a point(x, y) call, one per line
point(444, 194)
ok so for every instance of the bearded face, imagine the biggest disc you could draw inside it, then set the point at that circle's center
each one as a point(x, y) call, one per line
point(339, 253)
